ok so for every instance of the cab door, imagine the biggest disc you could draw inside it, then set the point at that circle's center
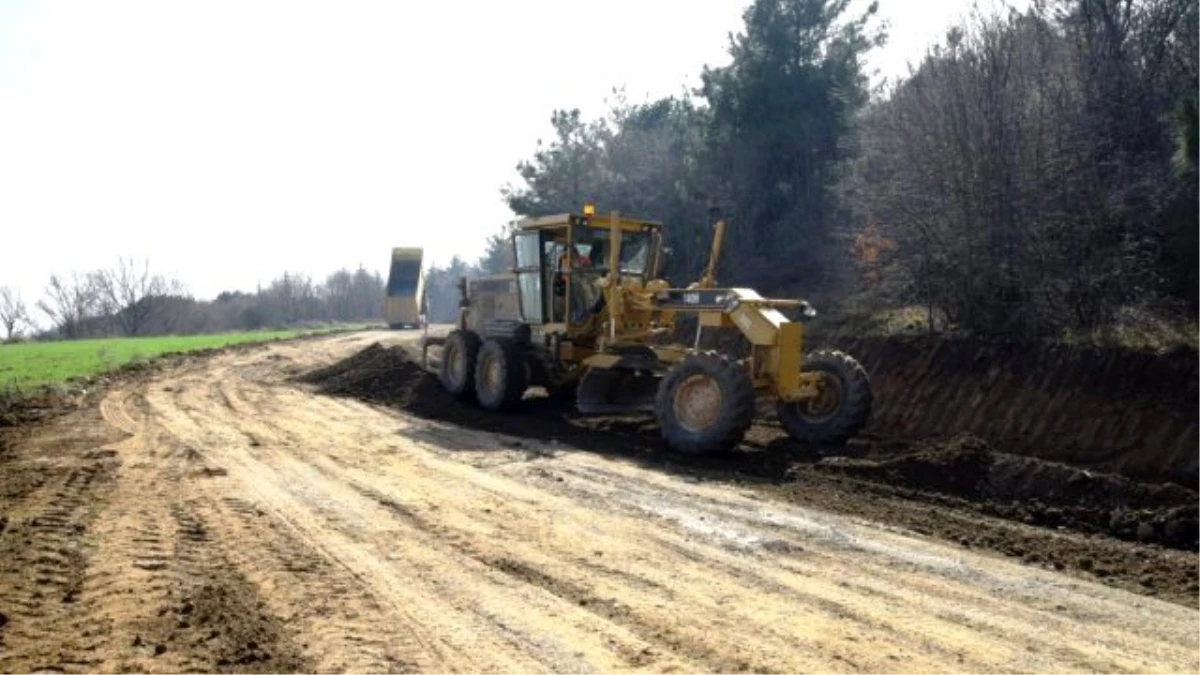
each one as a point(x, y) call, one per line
point(527, 251)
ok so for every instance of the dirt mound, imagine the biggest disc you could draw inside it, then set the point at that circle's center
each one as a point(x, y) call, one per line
point(221, 623)
point(1036, 491)
point(383, 375)
point(20, 409)
point(388, 375)
point(960, 467)
point(371, 356)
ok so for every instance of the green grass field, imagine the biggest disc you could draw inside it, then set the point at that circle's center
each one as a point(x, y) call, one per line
point(27, 365)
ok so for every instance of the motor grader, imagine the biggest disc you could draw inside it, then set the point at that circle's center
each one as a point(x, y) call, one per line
point(584, 313)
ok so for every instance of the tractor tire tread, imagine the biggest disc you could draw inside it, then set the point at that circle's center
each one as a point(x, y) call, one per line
point(737, 409)
point(854, 412)
point(514, 378)
point(469, 343)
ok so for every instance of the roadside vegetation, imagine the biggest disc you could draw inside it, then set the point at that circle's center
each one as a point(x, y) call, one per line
point(132, 300)
point(1033, 177)
point(106, 318)
point(27, 365)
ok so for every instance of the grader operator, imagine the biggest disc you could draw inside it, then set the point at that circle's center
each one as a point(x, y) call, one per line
point(584, 312)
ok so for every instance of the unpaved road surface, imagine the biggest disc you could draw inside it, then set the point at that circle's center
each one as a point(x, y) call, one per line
point(219, 517)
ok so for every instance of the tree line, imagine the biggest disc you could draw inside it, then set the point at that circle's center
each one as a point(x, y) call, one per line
point(130, 299)
point(1033, 175)
point(1037, 173)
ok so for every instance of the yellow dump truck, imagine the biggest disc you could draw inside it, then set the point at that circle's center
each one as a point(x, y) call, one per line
point(404, 304)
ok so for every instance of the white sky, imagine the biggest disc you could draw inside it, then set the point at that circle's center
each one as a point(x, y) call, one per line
point(229, 140)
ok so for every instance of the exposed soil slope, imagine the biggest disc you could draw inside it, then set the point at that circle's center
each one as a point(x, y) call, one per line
point(1101, 409)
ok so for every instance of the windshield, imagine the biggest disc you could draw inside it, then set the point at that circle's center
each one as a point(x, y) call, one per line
point(592, 250)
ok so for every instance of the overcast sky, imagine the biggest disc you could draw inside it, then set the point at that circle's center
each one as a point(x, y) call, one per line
point(227, 141)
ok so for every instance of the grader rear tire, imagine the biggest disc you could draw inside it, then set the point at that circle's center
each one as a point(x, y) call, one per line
point(705, 404)
point(459, 354)
point(500, 375)
point(842, 408)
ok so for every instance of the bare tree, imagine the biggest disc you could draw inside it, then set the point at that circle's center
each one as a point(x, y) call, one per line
point(128, 294)
point(70, 302)
point(12, 312)
point(176, 307)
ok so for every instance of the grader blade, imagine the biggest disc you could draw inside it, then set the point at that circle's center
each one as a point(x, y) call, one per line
point(616, 390)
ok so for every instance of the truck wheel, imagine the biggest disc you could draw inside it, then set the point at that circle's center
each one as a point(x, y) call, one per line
point(500, 375)
point(840, 411)
point(458, 363)
point(705, 404)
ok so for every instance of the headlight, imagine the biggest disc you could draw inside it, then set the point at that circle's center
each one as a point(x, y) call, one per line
point(808, 312)
point(732, 304)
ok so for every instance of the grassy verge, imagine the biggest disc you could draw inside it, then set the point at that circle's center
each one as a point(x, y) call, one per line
point(33, 364)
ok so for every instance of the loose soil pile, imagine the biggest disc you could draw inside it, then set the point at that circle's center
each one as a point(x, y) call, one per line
point(1036, 492)
point(389, 376)
point(220, 620)
point(926, 486)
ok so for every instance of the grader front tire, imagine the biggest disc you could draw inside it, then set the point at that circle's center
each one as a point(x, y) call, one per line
point(705, 404)
point(842, 408)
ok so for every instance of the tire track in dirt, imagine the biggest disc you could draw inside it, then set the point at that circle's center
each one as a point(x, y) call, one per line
point(44, 574)
point(317, 597)
point(44, 549)
point(836, 602)
point(398, 646)
point(529, 566)
point(636, 654)
point(492, 623)
point(637, 647)
point(153, 565)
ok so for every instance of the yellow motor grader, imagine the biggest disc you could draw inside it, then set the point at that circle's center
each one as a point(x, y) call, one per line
point(584, 313)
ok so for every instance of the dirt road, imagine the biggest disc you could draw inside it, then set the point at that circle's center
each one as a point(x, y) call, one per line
point(219, 517)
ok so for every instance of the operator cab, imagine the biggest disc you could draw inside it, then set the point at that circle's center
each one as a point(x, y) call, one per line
point(561, 259)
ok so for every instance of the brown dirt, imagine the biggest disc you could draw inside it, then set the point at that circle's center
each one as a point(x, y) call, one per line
point(1036, 491)
point(215, 516)
point(24, 407)
point(1107, 410)
point(937, 483)
point(220, 621)
point(69, 494)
